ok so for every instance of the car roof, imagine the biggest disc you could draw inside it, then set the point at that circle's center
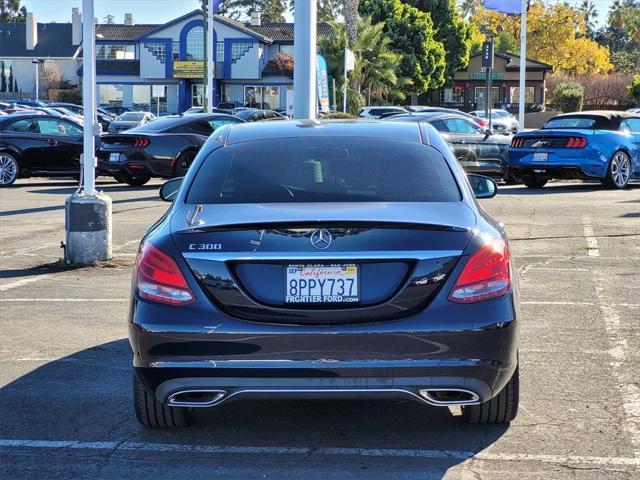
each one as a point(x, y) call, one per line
point(605, 119)
point(428, 116)
point(247, 132)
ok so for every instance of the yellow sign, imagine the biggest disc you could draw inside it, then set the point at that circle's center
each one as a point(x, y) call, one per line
point(183, 69)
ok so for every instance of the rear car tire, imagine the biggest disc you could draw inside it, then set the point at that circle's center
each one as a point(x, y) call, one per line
point(183, 163)
point(9, 169)
point(500, 409)
point(154, 414)
point(534, 182)
point(618, 171)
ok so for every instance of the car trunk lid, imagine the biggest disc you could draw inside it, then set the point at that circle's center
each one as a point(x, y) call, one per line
point(245, 263)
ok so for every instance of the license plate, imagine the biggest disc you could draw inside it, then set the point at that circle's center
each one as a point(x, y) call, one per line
point(322, 284)
point(540, 156)
point(114, 157)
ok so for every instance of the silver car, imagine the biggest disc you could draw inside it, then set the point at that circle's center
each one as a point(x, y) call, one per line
point(502, 121)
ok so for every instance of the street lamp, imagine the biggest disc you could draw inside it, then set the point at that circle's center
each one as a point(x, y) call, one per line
point(88, 213)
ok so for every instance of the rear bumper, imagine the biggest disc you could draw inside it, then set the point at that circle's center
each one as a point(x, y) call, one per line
point(397, 358)
point(136, 163)
point(566, 172)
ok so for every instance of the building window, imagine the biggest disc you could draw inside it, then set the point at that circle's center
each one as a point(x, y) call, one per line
point(480, 98)
point(239, 49)
point(288, 49)
point(529, 94)
point(158, 50)
point(115, 52)
point(176, 51)
point(453, 95)
point(195, 44)
point(220, 52)
point(262, 97)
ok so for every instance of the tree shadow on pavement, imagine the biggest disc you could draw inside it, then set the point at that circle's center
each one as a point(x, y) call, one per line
point(87, 397)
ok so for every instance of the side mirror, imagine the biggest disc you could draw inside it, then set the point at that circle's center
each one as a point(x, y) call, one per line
point(483, 187)
point(169, 189)
point(487, 133)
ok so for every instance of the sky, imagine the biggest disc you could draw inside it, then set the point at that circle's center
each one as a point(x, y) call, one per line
point(159, 11)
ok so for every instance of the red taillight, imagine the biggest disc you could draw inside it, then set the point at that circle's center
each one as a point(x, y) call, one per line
point(517, 142)
point(141, 142)
point(576, 142)
point(486, 275)
point(159, 279)
point(482, 122)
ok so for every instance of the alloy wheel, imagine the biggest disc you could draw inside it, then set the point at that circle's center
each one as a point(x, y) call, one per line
point(620, 169)
point(8, 170)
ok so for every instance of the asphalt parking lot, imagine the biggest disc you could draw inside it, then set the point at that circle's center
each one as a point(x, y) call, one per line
point(65, 400)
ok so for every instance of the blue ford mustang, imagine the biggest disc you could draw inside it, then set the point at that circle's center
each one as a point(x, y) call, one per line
point(325, 259)
point(604, 145)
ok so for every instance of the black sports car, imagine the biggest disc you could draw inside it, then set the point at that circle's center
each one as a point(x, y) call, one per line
point(38, 145)
point(162, 148)
point(477, 150)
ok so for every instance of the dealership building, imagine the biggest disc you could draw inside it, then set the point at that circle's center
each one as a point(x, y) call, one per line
point(133, 58)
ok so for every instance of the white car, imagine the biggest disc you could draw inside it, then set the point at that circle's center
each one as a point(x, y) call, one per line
point(501, 120)
point(377, 112)
point(634, 110)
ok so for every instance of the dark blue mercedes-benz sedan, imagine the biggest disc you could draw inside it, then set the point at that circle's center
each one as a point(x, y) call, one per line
point(325, 260)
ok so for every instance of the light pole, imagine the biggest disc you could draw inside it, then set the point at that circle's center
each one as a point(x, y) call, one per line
point(88, 214)
point(304, 67)
point(212, 9)
point(523, 60)
point(36, 62)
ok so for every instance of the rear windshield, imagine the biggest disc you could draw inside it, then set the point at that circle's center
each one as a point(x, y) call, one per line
point(324, 170)
point(570, 122)
point(158, 125)
point(131, 117)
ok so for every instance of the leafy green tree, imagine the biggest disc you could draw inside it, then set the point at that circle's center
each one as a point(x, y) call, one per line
point(453, 31)
point(622, 35)
point(328, 10)
point(412, 35)
point(271, 10)
point(3, 78)
point(15, 85)
point(12, 12)
point(568, 97)
point(11, 78)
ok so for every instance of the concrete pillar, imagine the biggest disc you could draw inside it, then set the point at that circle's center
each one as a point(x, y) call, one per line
point(305, 101)
point(88, 227)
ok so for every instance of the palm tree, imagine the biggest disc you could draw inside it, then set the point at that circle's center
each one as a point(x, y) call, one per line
point(351, 20)
point(588, 9)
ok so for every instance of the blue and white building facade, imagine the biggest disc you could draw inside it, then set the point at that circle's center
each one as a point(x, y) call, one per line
point(132, 59)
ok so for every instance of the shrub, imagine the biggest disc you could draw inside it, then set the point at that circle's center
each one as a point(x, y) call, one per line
point(338, 116)
point(568, 97)
point(634, 89)
point(70, 96)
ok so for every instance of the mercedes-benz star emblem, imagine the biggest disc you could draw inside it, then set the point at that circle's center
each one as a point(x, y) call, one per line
point(321, 239)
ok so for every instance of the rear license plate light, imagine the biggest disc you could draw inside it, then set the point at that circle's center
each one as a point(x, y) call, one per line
point(322, 284)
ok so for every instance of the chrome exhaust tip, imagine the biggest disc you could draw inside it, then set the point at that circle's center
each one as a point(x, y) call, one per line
point(446, 397)
point(196, 398)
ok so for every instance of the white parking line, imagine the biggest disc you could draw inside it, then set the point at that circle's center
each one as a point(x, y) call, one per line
point(588, 304)
point(602, 462)
point(592, 244)
point(21, 282)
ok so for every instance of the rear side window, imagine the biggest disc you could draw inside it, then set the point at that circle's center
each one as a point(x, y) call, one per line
point(22, 126)
point(569, 122)
point(324, 170)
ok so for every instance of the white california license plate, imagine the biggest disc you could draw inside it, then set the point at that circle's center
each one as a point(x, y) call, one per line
point(114, 157)
point(322, 284)
point(540, 156)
